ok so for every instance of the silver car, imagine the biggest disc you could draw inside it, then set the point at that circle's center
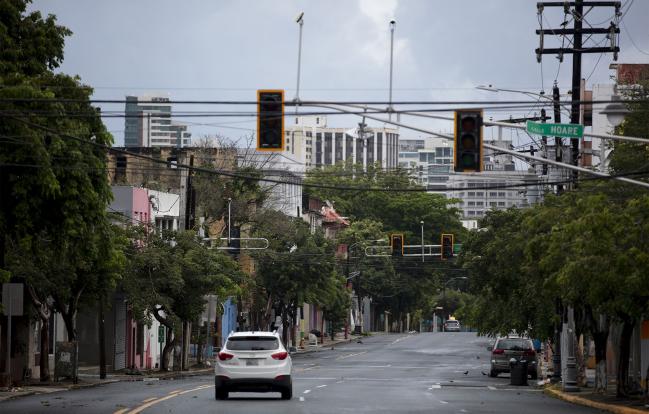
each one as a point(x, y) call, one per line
point(520, 349)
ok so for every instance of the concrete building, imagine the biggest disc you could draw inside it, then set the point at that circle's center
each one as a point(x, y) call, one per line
point(313, 144)
point(430, 162)
point(148, 123)
point(628, 77)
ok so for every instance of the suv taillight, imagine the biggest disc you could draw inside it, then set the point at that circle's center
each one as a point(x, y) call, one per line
point(224, 356)
point(498, 351)
point(280, 355)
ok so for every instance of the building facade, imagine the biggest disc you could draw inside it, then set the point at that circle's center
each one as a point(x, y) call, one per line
point(430, 163)
point(313, 144)
point(148, 123)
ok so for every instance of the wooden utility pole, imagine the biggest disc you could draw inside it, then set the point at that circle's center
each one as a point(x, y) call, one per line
point(576, 10)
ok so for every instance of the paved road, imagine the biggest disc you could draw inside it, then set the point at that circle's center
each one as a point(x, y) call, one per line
point(419, 373)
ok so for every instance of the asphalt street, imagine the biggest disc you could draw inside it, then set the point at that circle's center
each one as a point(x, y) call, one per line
point(418, 373)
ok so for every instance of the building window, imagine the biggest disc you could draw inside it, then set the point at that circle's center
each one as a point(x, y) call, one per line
point(470, 194)
point(471, 203)
point(479, 194)
point(501, 203)
point(502, 194)
point(493, 194)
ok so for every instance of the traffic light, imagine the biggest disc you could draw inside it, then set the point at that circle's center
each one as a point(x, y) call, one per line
point(270, 120)
point(396, 242)
point(447, 246)
point(468, 140)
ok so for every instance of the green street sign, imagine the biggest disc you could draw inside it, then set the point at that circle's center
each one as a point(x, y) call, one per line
point(161, 334)
point(556, 130)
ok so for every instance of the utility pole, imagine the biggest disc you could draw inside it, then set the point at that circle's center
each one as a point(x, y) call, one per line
point(558, 142)
point(576, 9)
point(190, 210)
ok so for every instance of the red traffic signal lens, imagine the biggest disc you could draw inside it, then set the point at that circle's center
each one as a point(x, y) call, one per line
point(468, 123)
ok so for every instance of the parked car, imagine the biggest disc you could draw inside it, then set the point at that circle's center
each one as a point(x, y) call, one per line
point(254, 362)
point(507, 348)
point(452, 325)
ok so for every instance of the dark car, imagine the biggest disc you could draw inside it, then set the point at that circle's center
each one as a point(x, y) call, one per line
point(452, 325)
point(518, 348)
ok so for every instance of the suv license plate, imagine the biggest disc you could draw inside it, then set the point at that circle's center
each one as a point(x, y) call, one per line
point(250, 362)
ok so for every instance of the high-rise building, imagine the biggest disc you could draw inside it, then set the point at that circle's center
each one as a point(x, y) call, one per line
point(309, 140)
point(148, 124)
point(430, 162)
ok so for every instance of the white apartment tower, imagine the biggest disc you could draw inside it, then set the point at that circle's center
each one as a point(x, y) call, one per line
point(309, 140)
point(148, 124)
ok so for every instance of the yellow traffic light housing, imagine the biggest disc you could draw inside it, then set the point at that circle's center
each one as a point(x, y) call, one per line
point(396, 243)
point(270, 120)
point(447, 246)
point(467, 142)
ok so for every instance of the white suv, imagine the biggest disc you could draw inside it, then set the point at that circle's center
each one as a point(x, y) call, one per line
point(253, 361)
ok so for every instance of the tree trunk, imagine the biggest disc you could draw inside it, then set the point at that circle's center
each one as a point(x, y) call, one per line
point(285, 326)
point(623, 364)
point(43, 310)
point(45, 350)
point(601, 381)
point(170, 343)
point(102, 340)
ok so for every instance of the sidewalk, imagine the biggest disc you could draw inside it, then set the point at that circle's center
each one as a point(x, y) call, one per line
point(89, 377)
point(328, 343)
point(605, 402)
point(587, 397)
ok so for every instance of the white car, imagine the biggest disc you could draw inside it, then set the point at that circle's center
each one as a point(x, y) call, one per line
point(255, 362)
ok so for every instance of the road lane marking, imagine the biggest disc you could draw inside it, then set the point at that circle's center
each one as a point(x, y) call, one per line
point(122, 411)
point(339, 382)
point(492, 388)
point(302, 399)
point(443, 402)
point(149, 399)
point(351, 355)
point(307, 391)
point(435, 387)
point(172, 394)
point(321, 386)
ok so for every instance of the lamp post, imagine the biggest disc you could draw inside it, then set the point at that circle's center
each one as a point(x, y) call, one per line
point(422, 240)
point(358, 283)
point(299, 20)
point(393, 24)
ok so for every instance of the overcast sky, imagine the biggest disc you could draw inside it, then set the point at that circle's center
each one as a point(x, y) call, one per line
point(225, 50)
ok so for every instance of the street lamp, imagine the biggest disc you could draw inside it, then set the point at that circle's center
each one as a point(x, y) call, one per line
point(299, 20)
point(422, 240)
point(358, 280)
point(393, 24)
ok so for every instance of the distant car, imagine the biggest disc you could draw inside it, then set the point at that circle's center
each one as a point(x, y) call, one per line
point(507, 348)
point(452, 325)
point(254, 362)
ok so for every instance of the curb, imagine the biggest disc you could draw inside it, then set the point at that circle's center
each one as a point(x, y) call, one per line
point(166, 376)
point(593, 404)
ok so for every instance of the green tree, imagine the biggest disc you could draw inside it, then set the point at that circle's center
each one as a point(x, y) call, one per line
point(297, 267)
point(168, 277)
point(53, 186)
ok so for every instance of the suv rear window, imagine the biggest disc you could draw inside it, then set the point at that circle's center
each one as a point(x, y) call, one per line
point(514, 344)
point(452, 322)
point(252, 343)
